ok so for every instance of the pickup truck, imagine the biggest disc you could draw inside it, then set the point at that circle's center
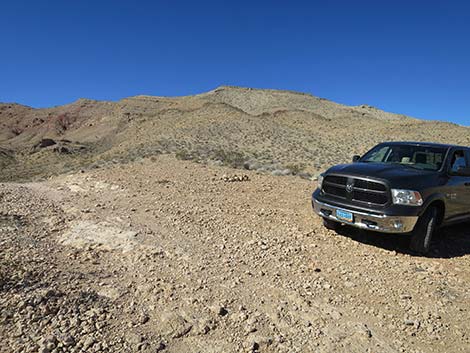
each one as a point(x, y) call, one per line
point(398, 187)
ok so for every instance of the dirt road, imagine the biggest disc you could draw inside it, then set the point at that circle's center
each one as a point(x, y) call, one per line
point(167, 255)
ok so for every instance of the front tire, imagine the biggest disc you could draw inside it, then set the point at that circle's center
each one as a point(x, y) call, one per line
point(424, 231)
point(329, 224)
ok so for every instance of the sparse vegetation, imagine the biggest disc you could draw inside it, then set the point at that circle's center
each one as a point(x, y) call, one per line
point(265, 130)
point(230, 158)
point(296, 168)
point(184, 155)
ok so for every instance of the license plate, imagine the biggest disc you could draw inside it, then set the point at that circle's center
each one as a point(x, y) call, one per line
point(344, 216)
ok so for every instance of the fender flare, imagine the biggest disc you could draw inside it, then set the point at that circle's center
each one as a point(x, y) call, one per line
point(434, 197)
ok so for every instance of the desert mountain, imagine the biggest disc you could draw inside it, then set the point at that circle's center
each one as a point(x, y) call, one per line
point(281, 132)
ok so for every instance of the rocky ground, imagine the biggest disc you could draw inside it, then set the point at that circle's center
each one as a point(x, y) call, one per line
point(172, 256)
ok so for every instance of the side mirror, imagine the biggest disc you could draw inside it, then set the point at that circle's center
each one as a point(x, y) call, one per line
point(465, 172)
point(356, 158)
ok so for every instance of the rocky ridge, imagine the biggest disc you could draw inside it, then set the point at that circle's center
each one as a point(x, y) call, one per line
point(275, 132)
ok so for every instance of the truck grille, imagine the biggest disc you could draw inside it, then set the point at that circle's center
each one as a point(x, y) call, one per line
point(363, 191)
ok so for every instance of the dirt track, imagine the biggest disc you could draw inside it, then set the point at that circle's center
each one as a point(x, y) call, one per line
point(165, 255)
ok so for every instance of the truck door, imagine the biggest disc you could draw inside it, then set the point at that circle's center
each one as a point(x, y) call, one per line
point(467, 186)
point(457, 190)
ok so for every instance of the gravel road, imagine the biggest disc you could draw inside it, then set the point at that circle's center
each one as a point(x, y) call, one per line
point(172, 256)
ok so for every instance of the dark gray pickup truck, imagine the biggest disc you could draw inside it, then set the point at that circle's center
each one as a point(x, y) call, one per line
point(398, 187)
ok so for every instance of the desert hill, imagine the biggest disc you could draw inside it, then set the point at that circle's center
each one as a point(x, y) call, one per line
point(281, 132)
point(114, 240)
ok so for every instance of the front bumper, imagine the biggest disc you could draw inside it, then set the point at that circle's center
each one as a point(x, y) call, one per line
point(375, 222)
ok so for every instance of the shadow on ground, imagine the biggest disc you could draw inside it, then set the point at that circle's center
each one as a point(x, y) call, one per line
point(449, 242)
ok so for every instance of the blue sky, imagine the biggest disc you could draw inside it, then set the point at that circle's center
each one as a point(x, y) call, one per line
point(410, 57)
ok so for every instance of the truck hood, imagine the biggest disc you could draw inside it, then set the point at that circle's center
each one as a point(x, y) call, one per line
point(397, 175)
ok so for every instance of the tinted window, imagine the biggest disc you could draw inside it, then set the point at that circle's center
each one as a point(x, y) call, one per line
point(419, 157)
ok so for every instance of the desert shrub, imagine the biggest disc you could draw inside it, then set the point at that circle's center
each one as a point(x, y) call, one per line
point(233, 159)
point(184, 155)
point(296, 168)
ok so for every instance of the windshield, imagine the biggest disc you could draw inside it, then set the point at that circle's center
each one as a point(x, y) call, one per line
point(419, 157)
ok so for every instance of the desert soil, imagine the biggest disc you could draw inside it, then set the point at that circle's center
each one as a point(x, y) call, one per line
point(174, 256)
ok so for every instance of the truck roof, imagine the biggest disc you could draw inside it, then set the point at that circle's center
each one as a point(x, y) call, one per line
point(430, 144)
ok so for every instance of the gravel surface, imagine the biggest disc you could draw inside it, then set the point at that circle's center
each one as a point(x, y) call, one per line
point(172, 256)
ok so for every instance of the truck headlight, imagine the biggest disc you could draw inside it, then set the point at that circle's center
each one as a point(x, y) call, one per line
point(406, 197)
point(320, 181)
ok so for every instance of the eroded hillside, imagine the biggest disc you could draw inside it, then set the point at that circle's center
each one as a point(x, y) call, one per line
point(279, 132)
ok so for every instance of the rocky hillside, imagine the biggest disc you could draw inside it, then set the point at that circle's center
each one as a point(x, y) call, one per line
point(279, 132)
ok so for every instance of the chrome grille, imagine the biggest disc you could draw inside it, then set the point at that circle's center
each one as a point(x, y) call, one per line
point(355, 189)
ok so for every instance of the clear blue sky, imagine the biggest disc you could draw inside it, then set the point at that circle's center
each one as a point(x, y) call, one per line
point(410, 57)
